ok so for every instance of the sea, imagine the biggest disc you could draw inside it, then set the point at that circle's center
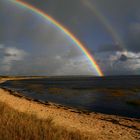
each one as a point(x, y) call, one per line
point(115, 95)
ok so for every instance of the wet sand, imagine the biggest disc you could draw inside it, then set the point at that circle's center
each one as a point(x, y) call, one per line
point(99, 126)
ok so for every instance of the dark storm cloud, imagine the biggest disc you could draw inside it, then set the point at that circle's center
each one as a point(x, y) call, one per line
point(49, 51)
point(134, 36)
point(34, 47)
point(36, 64)
point(77, 16)
point(123, 57)
point(119, 62)
point(109, 47)
point(121, 15)
point(118, 8)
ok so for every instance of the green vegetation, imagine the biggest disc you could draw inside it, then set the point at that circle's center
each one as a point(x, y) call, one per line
point(16, 125)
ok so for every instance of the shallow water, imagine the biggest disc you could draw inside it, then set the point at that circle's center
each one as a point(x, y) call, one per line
point(117, 100)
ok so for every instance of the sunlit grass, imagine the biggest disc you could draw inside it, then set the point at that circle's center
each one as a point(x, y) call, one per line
point(16, 125)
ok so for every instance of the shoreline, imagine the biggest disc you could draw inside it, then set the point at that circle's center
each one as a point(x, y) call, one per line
point(100, 125)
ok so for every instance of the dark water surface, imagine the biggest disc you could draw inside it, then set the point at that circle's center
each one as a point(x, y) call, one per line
point(112, 95)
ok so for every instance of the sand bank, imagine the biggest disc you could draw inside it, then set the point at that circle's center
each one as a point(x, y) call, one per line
point(100, 126)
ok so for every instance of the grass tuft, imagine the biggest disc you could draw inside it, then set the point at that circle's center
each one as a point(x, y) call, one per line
point(16, 125)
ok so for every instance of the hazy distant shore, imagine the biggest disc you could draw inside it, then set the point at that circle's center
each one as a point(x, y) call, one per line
point(95, 125)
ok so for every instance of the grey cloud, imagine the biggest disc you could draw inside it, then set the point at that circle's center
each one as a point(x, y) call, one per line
point(73, 14)
point(134, 36)
point(58, 65)
point(120, 16)
point(18, 62)
point(1, 46)
point(109, 47)
point(72, 52)
point(76, 67)
point(123, 57)
point(9, 55)
point(13, 54)
point(119, 62)
point(119, 8)
point(51, 52)
point(135, 27)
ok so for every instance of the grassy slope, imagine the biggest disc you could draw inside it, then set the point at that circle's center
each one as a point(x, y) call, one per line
point(16, 125)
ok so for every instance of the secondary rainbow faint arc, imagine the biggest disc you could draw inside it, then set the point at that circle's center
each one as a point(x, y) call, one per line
point(93, 8)
point(66, 31)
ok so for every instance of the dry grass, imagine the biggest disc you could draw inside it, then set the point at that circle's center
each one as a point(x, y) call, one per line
point(16, 125)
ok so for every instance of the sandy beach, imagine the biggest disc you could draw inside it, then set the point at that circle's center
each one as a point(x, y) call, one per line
point(99, 126)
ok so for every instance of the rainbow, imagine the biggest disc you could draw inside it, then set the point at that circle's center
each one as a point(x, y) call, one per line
point(63, 29)
point(93, 8)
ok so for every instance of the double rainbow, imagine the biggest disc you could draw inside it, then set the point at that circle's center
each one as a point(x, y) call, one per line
point(106, 23)
point(63, 29)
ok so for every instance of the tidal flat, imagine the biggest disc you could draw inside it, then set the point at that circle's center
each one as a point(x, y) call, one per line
point(94, 94)
point(65, 121)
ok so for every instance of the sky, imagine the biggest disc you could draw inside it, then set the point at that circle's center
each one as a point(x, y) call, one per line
point(109, 29)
